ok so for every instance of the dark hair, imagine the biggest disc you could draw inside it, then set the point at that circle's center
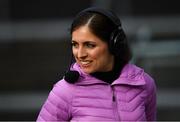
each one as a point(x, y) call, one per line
point(103, 27)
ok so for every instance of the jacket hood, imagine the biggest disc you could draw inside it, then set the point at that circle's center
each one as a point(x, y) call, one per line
point(130, 75)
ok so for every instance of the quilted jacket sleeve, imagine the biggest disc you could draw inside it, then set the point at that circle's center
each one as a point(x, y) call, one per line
point(57, 106)
point(151, 99)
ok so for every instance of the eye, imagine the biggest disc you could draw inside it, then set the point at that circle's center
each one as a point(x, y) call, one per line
point(74, 45)
point(89, 45)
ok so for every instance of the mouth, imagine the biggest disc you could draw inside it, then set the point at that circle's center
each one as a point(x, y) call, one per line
point(85, 64)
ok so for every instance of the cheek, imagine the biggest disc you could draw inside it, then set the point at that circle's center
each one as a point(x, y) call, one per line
point(74, 52)
point(96, 54)
point(99, 56)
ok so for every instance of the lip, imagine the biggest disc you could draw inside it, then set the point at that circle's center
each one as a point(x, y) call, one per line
point(85, 64)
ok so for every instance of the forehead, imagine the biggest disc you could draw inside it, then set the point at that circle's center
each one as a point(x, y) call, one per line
point(83, 33)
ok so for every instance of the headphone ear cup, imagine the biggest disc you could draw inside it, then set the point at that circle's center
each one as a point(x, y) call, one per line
point(116, 41)
point(113, 40)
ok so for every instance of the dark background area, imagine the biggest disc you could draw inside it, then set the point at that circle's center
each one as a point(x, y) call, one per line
point(35, 49)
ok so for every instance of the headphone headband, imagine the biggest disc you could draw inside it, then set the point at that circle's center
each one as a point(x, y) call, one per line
point(117, 36)
point(104, 12)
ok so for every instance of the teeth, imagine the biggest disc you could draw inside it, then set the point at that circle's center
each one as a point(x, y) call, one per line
point(85, 62)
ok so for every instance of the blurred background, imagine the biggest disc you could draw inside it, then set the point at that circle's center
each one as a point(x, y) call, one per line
point(35, 49)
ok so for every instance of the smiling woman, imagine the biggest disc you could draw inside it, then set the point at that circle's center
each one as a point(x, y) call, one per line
point(105, 86)
point(93, 55)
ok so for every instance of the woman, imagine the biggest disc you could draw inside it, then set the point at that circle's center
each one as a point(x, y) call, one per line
point(104, 85)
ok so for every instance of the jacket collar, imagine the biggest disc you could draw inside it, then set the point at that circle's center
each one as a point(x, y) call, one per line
point(130, 75)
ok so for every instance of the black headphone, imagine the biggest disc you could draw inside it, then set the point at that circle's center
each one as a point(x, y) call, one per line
point(117, 36)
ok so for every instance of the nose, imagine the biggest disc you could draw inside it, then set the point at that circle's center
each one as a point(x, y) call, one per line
point(81, 53)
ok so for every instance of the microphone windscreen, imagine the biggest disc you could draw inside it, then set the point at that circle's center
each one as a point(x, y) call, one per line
point(71, 76)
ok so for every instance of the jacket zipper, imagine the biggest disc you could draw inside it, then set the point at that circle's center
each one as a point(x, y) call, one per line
point(115, 107)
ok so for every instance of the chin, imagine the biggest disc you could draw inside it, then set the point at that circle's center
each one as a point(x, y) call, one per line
point(88, 71)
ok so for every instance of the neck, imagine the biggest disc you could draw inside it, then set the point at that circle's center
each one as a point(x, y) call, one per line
point(113, 74)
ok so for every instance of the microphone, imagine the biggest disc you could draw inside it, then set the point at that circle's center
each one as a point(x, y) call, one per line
point(71, 76)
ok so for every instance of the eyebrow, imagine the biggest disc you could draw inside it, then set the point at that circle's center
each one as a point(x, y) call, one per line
point(73, 41)
point(85, 41)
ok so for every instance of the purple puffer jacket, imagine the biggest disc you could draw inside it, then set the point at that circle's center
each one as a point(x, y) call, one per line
point(131, 97)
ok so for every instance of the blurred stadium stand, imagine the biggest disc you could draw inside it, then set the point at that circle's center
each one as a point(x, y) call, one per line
point(35, 50)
